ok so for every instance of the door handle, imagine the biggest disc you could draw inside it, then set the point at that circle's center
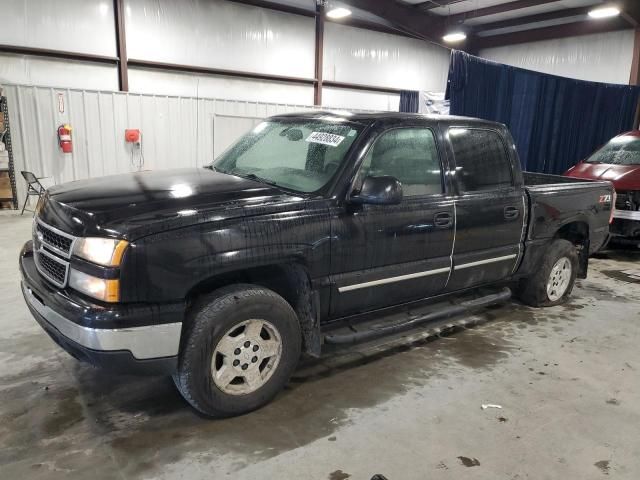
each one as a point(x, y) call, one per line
point(511, 213)
point(442, 220)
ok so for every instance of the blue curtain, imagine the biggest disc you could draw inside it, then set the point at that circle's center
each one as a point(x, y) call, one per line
point(555, 121)
point(409, 101)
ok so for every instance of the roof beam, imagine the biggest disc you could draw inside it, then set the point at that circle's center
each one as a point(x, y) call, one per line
point(279, 7)
point(586, 27)
point(404, 17)
point(351, 22)
point(429, 4)
point(495, 9)
point(631, 12)
point(541, 17)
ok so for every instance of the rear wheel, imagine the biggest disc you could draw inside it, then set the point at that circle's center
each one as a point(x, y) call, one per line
point(553, 282)
point(239, 349)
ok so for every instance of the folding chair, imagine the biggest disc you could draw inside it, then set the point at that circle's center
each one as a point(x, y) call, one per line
point(34, 187)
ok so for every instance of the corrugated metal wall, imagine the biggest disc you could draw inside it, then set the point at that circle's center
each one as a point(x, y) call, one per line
point(176, 131)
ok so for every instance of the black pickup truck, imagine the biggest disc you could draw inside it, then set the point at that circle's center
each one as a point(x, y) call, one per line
point(223, 276)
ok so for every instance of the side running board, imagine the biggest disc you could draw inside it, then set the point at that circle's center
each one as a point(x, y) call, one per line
point(444, 314)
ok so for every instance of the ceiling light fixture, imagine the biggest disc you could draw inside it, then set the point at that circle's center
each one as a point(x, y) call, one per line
point(338, 12)
point(454, 37)
point(605, 12)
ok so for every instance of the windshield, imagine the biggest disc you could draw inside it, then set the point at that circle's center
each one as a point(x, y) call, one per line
point(623, 150)
point(300, 155)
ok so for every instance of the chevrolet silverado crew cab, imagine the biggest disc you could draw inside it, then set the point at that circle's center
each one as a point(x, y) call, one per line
point(223, 276)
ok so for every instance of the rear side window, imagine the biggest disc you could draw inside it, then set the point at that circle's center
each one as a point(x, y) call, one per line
point(411, 156)
point(481, 159)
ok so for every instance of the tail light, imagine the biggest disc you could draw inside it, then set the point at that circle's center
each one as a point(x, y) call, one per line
point(614, 198)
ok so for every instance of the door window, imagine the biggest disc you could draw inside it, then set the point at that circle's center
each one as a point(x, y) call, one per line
point(481, 159)
point(408, 154)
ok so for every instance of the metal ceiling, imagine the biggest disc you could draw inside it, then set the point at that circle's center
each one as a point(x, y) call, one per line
point(486, 22)
point(505, 22)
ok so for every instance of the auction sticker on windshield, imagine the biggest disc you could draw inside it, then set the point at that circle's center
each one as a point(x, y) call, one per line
point(325, 138)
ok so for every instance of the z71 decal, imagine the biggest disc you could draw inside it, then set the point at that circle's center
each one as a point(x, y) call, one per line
point(605, 198)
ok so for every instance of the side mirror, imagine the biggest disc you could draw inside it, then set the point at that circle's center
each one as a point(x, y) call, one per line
point(383, 190)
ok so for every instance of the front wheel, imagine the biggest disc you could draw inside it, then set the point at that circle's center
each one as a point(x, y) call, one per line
point(553, 282)
point(239, 349)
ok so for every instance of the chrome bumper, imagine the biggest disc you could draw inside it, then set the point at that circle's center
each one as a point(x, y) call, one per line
point(626, 214)
point(147, 342)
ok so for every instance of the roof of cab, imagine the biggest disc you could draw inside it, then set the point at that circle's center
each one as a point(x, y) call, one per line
point(388, 117)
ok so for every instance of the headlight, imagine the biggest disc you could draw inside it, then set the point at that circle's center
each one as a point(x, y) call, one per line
point(103, 251)
point(100, 288)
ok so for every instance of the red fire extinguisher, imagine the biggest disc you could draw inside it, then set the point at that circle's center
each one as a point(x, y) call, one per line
point(64, 138)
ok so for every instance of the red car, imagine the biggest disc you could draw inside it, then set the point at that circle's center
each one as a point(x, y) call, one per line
point(619, 162)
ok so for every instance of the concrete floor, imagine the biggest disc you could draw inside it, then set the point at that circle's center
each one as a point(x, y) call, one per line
point(567, 379)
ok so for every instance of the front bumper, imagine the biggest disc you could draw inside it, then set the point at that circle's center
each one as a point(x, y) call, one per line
point(100, 335)
point(627, 214)
point(626, 223)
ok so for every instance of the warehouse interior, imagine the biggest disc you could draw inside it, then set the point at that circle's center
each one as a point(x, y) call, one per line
point(101, 101)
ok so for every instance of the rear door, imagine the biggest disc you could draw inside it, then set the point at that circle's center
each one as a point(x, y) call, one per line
point(490, 207)
point(383, 255)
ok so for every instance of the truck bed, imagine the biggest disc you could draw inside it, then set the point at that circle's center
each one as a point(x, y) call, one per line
point(555, 201)
point(546, 183)
point(532, 179)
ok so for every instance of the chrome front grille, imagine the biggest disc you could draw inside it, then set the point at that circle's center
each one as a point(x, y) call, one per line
point(52, 247)
point(55, 240)
point(52, 268)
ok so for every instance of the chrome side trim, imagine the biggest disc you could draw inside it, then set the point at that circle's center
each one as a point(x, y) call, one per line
point(399, 278)
point(485, 261)
point(153, 341)
point(626, 214)
point(61, 233)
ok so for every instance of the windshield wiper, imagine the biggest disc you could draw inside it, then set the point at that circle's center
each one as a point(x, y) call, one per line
point(254, 177)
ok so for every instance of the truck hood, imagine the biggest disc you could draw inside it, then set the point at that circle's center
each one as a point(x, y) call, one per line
point(138, 204)
point(623, 177)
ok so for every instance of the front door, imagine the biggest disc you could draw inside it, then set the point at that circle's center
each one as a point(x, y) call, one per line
point(386, 254)
point(490, 209)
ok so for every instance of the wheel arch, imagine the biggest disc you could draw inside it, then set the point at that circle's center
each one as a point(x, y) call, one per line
point(289, 280)
point(578, 233)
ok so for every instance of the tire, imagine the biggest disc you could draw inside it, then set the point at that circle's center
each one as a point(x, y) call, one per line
point(242, 325)
point(533, 290)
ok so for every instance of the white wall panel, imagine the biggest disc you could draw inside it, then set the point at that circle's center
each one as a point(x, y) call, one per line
point(355, 55)
point(212, 86)
point(220, 34)
point(603, 57)
point(344, 98)
point(30, 70)
point(176, 131)
point(84, 26)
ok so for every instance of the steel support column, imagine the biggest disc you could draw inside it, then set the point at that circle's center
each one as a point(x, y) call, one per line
point(319, 46)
